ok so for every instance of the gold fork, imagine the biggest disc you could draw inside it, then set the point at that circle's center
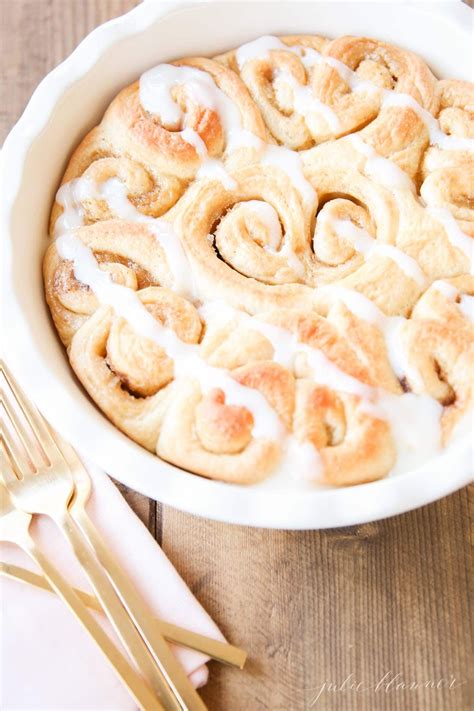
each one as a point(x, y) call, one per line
point(49, 491)
point(220, 651)
point(14, 528)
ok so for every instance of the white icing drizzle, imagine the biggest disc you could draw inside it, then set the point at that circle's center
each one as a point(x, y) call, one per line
point(156, 87)
point(366, 310)
point(70, 196)
point(269, 217)
point(455, 235)
point(364, 243)
point(305, 102)
point(287, 348)
point(186, 358)
point(345, 228)
point(260, 48)
point(302, 461)
point(114, 193)
point(466, 306)
point(405, 413)
point(293, 260)
point(392, 177)
point(448, 290)
point(210, 168)
point(213, 169)
point(407, 264)
point(323, 371)
point(290, 163)
point(437, 136)
point(463, 428)
point(305, 459)
point(194, 139)
point(415, 425)
point(381, 169)
point(377, 167)
point(352, 79)
point(157, 84)
point(464, 302)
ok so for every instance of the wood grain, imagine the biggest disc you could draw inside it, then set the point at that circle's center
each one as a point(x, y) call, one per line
point(387, 597)
point(344, 607)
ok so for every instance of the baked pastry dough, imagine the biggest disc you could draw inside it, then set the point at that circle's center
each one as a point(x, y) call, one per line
point(261, 263)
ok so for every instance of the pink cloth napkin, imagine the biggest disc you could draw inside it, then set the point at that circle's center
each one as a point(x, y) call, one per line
point(47, 660)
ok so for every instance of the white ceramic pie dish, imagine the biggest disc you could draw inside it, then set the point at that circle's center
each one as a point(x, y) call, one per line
point(67, 103)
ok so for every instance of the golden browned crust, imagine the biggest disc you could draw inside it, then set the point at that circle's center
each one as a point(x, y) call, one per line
point(279, 278)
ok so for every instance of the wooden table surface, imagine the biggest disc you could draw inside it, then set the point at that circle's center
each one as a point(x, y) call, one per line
point(345, 615)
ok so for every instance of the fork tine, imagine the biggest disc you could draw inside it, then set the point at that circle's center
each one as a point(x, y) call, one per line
point(66, 450)
point(80, 476)
point(7, 472)
point(69, 454)
point(15, 441)
point(33, 417)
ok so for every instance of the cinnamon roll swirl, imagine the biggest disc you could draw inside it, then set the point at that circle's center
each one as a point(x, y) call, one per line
point(261, 263)
point(310, 89)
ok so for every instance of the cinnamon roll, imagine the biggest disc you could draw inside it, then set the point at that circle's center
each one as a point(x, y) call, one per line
point(310, 89)
point(261, 263)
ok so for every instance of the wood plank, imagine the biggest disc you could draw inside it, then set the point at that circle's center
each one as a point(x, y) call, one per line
point(390, 597)
point(36, 36)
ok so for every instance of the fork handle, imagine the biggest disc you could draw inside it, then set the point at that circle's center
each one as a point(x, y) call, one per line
point(118, 615)
point(220, 651)
point(139, 613)
point(143, 696)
